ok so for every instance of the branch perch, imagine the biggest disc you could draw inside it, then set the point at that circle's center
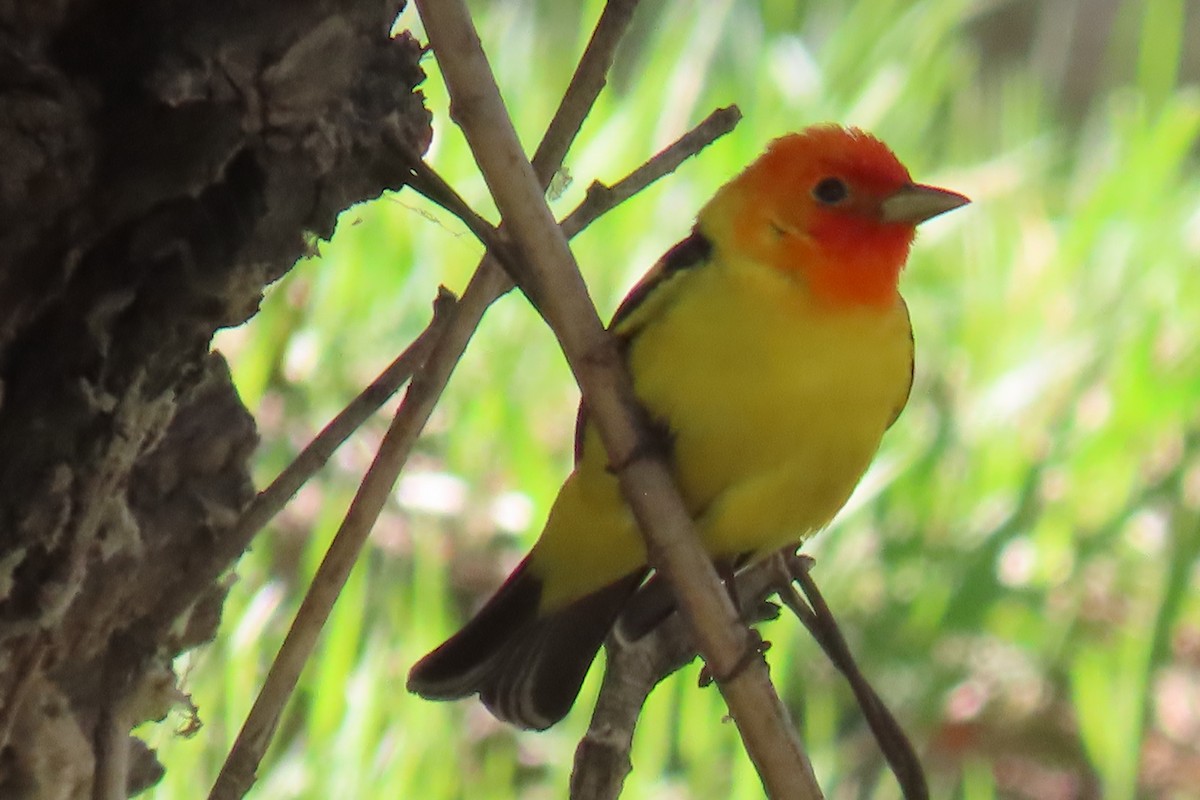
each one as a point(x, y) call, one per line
point(634, 665)
point(820, 622)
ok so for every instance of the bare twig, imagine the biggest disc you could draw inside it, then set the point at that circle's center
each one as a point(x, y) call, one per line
point(589, 78)
point(631, 670)
point(599, 199)
point(314, 610)
point(820, 622)
point(237, 774)
point(425, 181)
point(552, 278)
point(318, 452)
point(599, 196)
point(633, 667)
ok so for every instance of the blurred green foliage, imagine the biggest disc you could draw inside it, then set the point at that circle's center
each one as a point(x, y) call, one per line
point(1017, 572)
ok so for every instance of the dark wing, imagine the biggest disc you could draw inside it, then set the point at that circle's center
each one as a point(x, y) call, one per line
point(638, 305)
point(525, 663)
point(691, 252)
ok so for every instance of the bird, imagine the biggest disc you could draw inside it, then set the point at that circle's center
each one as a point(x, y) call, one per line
point(771, 349)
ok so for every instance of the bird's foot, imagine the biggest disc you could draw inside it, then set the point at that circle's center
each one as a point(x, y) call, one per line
point(756, 646)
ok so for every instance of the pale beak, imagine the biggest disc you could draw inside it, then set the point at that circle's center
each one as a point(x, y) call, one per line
point(915, 203)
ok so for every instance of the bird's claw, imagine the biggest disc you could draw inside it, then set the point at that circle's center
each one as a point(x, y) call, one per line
point(755, 648)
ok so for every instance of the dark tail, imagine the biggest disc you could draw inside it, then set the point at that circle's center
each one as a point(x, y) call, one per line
point(526, 667)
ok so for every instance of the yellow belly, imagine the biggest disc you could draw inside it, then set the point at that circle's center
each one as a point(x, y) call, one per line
point(776, 407)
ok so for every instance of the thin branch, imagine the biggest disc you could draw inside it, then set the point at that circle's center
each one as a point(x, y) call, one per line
point(599, 198)
point(426, 182)
point(820, 622)
point(632, 669)
point(589, 79)
point(634, 665)
point(602, 197)
point(263, 718)
point(551, 276)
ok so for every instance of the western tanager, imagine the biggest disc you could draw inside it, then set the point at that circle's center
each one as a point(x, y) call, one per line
point(773, 347)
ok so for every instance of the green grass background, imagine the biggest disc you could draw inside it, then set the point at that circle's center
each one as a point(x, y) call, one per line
point(1017, 572)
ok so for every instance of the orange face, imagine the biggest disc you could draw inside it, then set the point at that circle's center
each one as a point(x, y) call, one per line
point(816, 205)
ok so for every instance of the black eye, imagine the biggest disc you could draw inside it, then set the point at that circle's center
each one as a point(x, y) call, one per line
point(830, 191)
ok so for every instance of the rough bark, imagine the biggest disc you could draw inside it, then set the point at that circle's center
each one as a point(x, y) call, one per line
point(161, 161)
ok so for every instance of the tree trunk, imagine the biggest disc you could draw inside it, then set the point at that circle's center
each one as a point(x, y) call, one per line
point(161, 161)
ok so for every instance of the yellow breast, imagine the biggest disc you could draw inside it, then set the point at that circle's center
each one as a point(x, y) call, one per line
point(776, 404)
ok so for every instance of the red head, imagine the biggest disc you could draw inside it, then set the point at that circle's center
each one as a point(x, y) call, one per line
point(831, 205)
